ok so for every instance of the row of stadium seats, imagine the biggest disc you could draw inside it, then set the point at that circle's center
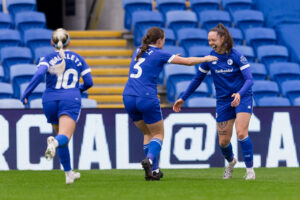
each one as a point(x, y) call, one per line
point(8, 103)
point(16, 6)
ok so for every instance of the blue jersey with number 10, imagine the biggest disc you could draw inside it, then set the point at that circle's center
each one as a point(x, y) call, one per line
point(64, 86)
point(143, 74)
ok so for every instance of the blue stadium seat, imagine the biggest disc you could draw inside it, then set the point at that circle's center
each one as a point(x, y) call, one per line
point(165, 6)
point(247, 51)
point(36, 103)
point(11, 103)
point(200, 5)
point(273, 101)
point(131, 6)
point(201, 91)
point(6, 90)
point(296, 101)
point(41, 52)
point(236, 35)
point(21, 73)
point(256, 37)
point(1, 74)
point(258, 71)
point(88, 103)
point(17, 6)
point(265, 89)
point(199, 51)
point(174, 50)
point(268, 54)
point(201, 102)
point(143, 20)
point(9, 37)
point(189, 37)
point(181, 19)
point(14, 55)
point(175, 74)
point(291, 89)
point(37, 93)
point(30, 19)
point(245, 19)
point(211, 18)
point(5, 21)
point(234, 5)
point(37, 37)
point(284, 71)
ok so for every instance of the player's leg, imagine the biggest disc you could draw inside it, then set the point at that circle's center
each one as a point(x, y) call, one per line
point(225, 121)
point(244, 111)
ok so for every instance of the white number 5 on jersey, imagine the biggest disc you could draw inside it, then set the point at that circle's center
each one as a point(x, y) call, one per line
point(138, 68)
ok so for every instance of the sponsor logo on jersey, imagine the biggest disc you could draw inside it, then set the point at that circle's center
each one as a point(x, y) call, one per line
point(214, 62)
point(224, 70)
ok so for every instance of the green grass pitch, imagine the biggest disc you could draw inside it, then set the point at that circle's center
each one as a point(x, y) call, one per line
point(271, 184)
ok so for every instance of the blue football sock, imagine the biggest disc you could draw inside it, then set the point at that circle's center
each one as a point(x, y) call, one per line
point(62, 140)
point(154, 149)
point(227, 152)
point(247, 151)
point(146, 149)
point(64, 157)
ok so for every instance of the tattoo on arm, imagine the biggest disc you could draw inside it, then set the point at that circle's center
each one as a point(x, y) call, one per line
point(222, 132)
point(222, 125)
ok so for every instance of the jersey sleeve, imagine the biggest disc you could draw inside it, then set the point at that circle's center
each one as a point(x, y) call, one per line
point(85, 69)
point(241, 61)
point(203, 67)
point(166, 57)
point(43, 62)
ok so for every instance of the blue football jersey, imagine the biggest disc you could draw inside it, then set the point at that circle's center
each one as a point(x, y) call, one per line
point(143, 74)
point(226, 72)
point(65, 86)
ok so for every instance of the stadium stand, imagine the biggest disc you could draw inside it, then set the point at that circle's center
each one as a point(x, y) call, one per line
point(6, 90)
point(234, 5)
point(291, 89)
point(296, 101)
point(258, 71)
point(30, 19)
point(196, 51)
point(256, 37)
point(236, 35)
point(181, 87)
point(131, 6)
point(10, 103)
point(21, 73)
point(268, 54)
point(88, 103)
point(14, 55)
point(245, 19)
point(284, 71)
point(36, 103)
point(200, 5)
point(189, 37)
point(1, 74)
point(273, 101)
point(170, 38)
point(37, 92)
point(37, 37)
point(265, 89)
point(6, 21)
point(9, 37)
point(210, 18)
point(41, 52)
point(181, 19)
point(17, 6)
point(200, 102)
point(247, 51)
point(143, 20)
point(165, 6)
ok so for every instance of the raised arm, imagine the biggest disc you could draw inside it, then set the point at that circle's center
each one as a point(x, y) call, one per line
point(192, 60)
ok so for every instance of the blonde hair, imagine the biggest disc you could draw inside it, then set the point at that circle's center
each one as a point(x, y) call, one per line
point(60, 39)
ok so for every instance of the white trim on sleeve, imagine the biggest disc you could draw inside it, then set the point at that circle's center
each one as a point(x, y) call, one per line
point(171, 58)
point(43, 63)
point(84, 72)
point(244, 67)
point(202, 70)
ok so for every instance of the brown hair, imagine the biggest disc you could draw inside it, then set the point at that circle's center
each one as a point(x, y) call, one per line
point(153, 34)
point(222, 31)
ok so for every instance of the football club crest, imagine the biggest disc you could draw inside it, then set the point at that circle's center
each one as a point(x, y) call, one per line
point(214, 62)
point(243, 60)
point(229, 61)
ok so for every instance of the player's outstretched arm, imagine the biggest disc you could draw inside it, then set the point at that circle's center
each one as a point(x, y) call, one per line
point(177, 105)
point(192, 60)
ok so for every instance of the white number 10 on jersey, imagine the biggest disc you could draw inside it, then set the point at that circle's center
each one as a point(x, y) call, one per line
point(63, 79)
point(138, 68)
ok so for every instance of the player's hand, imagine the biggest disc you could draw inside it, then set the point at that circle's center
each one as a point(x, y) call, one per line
point(236, 100)
point(24, 101)
point(210, 58)
point(177, 105)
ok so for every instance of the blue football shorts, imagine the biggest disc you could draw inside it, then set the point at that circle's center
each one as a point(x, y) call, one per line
point(140, 108)
point(226, 112)
point(54, 109)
